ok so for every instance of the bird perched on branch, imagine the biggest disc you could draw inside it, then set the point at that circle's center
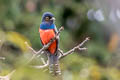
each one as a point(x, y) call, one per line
point(48, 31)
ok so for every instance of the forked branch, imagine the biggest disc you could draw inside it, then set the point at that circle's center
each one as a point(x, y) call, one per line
point(66, 53)
point(75, 48)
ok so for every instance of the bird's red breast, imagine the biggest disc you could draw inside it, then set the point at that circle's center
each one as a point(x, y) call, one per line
point(46, 36)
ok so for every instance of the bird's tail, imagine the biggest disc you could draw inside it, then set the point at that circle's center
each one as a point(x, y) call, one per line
point(54, 66)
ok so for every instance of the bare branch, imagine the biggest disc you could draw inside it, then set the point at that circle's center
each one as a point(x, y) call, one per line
point(41, 66)
point(7, 77)
point(82, 49)
point(30, 48)
point(77, 47)
point(33, 51)
point(2, 58)
point(44, 47)
point(0, 44)
point(61, 52)
point(40, 54)
point(42, 59)
point(64, 54)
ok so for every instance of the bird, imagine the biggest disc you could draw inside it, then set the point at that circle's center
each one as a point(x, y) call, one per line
point(47, 32)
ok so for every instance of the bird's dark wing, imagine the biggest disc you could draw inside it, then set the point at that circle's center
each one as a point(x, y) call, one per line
point(40, 38)
point(55, 29)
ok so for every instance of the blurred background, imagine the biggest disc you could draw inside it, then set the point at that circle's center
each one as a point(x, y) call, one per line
point(98, 19)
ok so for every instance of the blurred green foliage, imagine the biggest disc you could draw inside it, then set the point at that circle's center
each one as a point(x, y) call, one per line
point(19, 22)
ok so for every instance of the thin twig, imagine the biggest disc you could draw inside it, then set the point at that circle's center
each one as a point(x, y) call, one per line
point(43, 61)
point(77, 47)
point(35, 52)
point(61, 52)
point(41, 54)
point(41, 66)
point(7, 77)
point(2, 58)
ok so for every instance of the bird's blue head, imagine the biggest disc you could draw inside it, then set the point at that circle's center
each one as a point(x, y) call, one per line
point(48, 17)
point(47, 21)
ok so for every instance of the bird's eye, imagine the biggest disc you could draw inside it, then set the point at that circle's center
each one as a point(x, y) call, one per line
point(50, 17)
